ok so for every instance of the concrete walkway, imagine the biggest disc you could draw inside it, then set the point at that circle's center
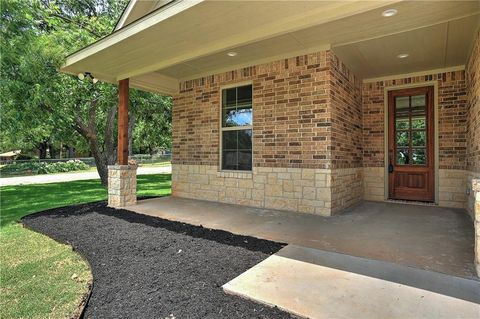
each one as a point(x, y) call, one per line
point(431, 238)
point(319, 284)
point(77, 176)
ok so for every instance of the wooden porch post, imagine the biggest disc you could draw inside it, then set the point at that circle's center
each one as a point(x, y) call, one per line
point(122, 178)
point(122, 149)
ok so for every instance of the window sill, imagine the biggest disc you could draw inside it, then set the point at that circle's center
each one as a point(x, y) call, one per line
point(235, 174)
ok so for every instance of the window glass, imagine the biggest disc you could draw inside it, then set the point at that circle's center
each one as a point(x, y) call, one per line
point(419, 156)
point(402, 156)
point(419, 138)
point(237, 116)
point(229, 98)
point(419, 122)
point(402, 123)
point(418, 100)
point(237, 106)
point(402, 138)
point(237, 150)
point(402, 102)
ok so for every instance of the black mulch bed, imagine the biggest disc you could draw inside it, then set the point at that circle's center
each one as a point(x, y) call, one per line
point(147, 267)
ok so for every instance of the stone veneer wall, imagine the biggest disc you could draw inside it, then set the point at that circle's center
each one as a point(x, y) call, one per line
point(122, 185)
point(297, 189)
point(452, 113)
point(306, 137)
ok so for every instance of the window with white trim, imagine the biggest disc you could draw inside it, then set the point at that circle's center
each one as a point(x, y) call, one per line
point(236, 130)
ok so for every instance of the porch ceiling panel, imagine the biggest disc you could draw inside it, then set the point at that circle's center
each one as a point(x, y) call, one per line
point(190, 38)
point(187, 29)
point(438, 46)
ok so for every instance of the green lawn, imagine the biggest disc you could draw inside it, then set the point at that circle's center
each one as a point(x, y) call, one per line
point(91, 169)
point(40, 278)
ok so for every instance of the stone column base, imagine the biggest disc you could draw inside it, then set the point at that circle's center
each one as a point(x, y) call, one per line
point(476, 221)
point(122, 185)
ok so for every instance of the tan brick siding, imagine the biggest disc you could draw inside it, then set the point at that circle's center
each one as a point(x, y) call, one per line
point(451, 121)
point(346, 105)
point(306, 115)
point(311, 114)
point(291, 118)
point(473, 107)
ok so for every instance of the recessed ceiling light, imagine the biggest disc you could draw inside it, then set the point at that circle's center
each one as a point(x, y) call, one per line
point(232, 53)
point(402, 55)
point(389, 12)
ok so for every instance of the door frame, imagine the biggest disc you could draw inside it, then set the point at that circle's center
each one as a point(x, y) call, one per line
point(386, 90)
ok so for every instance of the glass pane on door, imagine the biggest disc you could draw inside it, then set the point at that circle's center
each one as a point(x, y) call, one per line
point(402, 138)
point(410, 130)
point(402, 157)
point(419, 156)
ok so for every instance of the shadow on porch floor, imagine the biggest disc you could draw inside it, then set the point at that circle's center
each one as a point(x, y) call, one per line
point(433, 238)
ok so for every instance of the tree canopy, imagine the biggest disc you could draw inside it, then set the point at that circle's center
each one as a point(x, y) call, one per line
point(40, 106)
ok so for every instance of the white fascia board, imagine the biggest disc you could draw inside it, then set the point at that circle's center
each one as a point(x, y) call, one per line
point(125, 14)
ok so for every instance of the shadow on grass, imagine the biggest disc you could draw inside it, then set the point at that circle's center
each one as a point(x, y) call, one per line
point(20, 200)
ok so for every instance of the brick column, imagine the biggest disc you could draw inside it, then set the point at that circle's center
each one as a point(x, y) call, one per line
point(122, 185)
point(476, 222)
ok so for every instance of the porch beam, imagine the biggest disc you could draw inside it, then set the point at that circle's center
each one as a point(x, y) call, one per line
point(122, 148)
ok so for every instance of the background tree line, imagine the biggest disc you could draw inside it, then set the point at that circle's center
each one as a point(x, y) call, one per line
point(43, 109)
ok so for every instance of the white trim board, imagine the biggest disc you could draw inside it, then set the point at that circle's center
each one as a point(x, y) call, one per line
point(414, 74)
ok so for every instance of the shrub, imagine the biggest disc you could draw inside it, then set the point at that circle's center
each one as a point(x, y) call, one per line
point(23, 157)
point(43, 167)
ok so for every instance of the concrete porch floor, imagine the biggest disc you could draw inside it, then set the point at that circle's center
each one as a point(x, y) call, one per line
point(432, 238)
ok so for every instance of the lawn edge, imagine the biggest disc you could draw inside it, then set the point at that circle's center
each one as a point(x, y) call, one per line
point(80, 309)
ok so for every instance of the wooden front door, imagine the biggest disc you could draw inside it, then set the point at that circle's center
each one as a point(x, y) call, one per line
point(411, 144)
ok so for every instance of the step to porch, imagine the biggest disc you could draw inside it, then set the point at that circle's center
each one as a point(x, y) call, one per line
point(313, 283)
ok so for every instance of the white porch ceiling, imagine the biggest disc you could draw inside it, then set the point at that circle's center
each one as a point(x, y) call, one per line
point(188, 39)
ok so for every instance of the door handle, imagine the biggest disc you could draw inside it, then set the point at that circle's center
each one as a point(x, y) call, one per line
point(390, 165)
point(390, 168)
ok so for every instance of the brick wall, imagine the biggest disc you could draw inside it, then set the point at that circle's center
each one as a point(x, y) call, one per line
point(452, 135)
point(472, 71)
point(306, 116)
point(291, 118)
point(452, 131)
point(346, 147)
point(346, 106)
point(473, 108)
point(311, 113)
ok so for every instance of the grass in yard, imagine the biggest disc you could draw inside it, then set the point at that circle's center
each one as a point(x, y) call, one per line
point(158, 164)
point(39, 277)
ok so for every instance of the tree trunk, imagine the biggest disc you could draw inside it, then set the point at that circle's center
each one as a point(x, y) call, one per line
point(89, 132)
point(42, 150)
point(51, 149)
point(70, 152)
point(100, 161)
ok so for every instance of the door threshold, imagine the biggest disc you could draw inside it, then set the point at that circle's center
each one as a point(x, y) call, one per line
point(411, 202)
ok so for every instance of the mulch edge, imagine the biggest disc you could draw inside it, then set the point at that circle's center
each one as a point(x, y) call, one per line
point(80, 311)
